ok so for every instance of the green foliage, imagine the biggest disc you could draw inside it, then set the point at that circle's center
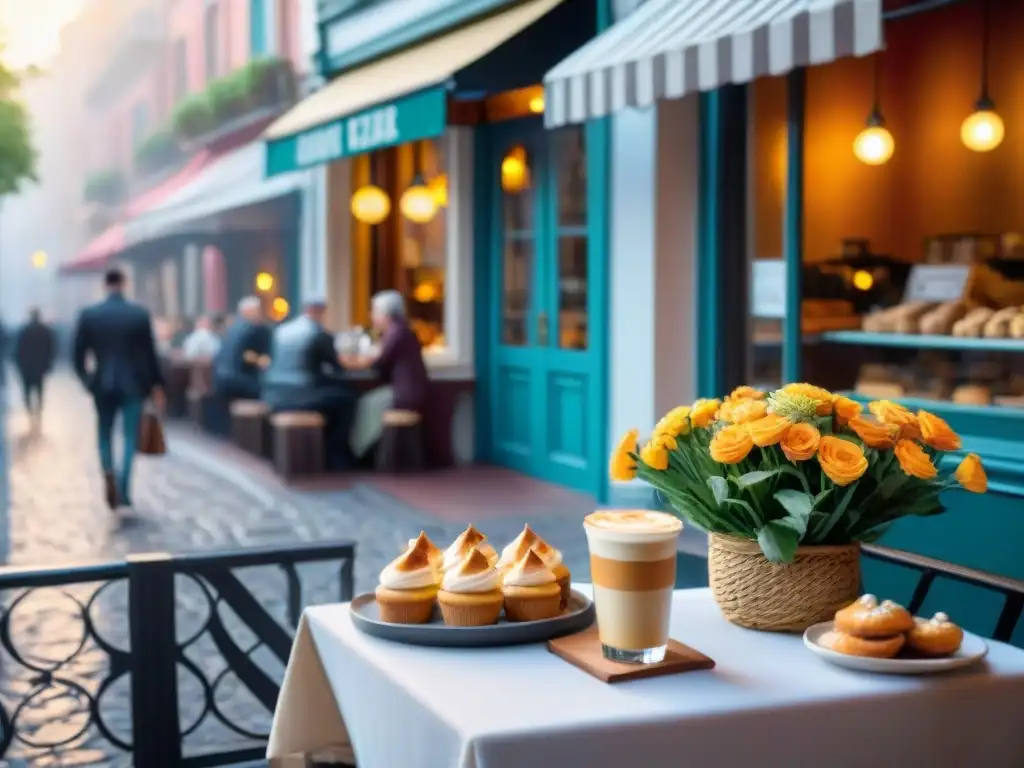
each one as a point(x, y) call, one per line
point(106, 187)
point(193, 117)
point(18, 157)
point(159, 150)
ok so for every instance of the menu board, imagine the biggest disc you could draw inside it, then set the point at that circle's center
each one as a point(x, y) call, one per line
point(937, 282)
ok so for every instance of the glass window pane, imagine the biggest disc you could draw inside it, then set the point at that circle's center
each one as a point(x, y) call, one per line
point(517, 277)
point(572, 292)
point(569, 156)
point(517, 190)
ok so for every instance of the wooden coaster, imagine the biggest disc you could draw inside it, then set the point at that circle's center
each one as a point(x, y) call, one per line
point(584, 651)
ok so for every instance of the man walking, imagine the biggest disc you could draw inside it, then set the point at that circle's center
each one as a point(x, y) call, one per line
point(34, 353)
point(118, 335)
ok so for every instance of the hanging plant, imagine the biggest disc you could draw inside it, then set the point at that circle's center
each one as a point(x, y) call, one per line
point(228, 98)
point(269, 81)
point(193, 117)
point(106, 187)
point(159, 150)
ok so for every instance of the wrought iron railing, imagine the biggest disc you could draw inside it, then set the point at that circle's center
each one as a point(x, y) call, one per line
point(158, 661)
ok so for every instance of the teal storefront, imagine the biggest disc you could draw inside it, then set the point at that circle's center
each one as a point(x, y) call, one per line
point(467, 78)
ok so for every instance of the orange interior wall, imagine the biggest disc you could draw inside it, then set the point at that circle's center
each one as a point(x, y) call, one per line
point(930, 79)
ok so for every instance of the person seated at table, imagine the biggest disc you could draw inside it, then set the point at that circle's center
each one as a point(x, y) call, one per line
point(398, 363)
point(202, 343)
point(304, 375)
point(236, 369)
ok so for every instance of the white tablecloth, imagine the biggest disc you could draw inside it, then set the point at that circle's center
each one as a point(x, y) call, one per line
point(769, 702)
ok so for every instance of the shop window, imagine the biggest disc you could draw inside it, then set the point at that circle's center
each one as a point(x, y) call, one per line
point(519, 248)
point(570, 167)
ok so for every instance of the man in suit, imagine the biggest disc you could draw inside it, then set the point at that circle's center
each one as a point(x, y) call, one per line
point(236, 369)
point(305, 375)
point(34, 353)
point(118, 335)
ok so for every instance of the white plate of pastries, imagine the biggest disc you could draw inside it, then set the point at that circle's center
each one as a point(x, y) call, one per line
point(881, 636)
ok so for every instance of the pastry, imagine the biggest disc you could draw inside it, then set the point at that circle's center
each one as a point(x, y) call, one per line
point(939, 321)
point(434, 553)
point(972, 394)
point(998, 326)
point(867, 618)
point(466, 542)
point(528, 540)
point(937, 636)
point(470, 593)
point(875, 648)
point(408, 587)
point(1017, 327)
point(531, 591)
point(973, 323)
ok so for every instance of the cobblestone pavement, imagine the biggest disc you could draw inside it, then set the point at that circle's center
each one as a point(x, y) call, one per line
point(195, 499)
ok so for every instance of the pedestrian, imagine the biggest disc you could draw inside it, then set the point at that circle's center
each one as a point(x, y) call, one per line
point(34, 353)
point(118, 335)
point(202, 343)
point(236, 369)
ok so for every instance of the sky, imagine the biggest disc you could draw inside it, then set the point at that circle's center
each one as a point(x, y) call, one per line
point(31, 28)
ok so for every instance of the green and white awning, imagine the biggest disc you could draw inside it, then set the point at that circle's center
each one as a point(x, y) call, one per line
point(668, 48)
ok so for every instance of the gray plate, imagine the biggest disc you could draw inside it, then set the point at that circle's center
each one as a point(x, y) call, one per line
point(577, 616)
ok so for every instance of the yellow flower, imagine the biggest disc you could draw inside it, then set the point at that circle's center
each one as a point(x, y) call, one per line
point(914, 461)
point(846, 409)
point(937, 433)
point(655, 455)
point(703, 412)
point(822, 397)
point(875, 433)
point(800, 442)
point(893, 413)
point(768, 430)
point(731, 444)
point(746, 393)
point(675, 422)
point(622, 467)
point(842, 460)
point(971, 474)
point(742, 411)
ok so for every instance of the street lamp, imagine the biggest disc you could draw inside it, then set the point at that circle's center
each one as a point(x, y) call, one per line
point(39, 259)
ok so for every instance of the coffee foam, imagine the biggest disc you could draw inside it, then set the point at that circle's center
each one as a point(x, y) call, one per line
point(634, 522)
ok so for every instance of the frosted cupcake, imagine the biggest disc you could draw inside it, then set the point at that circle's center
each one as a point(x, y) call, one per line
point(434, 553)
point(466, 542)
point(470, 593)
point(552, 557)
point(530, 589)
point(408, 587)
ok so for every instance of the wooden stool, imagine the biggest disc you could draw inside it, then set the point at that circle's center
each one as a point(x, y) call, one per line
point(401, 442)
point(249, 426)
point(298, 443)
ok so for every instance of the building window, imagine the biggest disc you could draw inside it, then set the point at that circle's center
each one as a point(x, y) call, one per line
point(180, 69)
point(263, 27)
point(140, 123)
point(211, 39)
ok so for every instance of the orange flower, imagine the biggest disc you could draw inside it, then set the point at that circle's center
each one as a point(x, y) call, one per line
point(873, 432)
point(842, 460)
point(742, 411)
point(846, 409)
point(893, 413)
point(676, 422)
point(622, 467)
point(746, 393)
point(971, 474)
point(822, 396)
point(937, 433)
point(731, 444)
point(914, 461)
point(703, 412)
point(768, 430)
point(655, 453)
point(800, 442)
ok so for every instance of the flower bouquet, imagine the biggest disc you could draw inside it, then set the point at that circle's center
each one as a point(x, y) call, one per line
point(788, 484)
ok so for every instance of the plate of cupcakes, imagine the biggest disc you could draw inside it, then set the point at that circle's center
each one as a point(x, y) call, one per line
point(881, 636)
point(468, 595)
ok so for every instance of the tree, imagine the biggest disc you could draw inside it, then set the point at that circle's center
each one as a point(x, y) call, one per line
point(18, 156)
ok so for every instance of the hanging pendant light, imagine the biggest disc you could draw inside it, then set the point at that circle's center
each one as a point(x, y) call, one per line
point(418, 203)
point(983, 129)
point(370, 204)
point(515, 172)
point(874, 145)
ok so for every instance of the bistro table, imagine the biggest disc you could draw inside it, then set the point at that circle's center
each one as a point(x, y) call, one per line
point(769, 701)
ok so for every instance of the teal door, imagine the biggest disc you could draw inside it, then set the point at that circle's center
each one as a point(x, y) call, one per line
point(542, 367)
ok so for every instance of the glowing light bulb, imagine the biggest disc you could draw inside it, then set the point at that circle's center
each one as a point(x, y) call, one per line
point(515, 174)
point(370, 204)
point(537, 104)
point(862, 280)
point(874, 145)
point(39, 259)
point(418, 204)
point(982, 130)
point(264, 282)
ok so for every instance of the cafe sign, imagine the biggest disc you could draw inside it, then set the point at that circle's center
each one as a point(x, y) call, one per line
point(420, 116)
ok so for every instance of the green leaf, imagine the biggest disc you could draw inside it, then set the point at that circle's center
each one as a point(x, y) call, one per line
point(719, 487)
point(830, 520)
point(753, 478)
point(789, 470)
point(778, 542)
point(751, 514)
point(797, 524)
point(795, 503)
point(890, 485)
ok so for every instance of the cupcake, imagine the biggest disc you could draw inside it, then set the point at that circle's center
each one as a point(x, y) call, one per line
point(408, 587)
point(530, 589)
point(466, 542)
point(470, 593)
point(528, 540)
point(434, 553)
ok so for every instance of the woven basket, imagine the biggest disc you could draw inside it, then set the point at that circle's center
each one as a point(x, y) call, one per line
point(755, 593)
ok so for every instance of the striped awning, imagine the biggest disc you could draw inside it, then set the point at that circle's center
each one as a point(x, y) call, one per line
point(669, 48)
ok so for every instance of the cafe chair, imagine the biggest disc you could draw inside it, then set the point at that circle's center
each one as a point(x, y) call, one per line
point(250, 427)
point(930, 569)
point(401, 442)
point(298, 443)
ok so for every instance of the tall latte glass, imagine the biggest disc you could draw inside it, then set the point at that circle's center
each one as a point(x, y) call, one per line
point(633, 569)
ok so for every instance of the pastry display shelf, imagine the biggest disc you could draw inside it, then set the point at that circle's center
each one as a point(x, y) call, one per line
point(922, 341)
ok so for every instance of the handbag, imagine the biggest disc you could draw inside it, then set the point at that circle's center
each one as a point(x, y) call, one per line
point(151, 434)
